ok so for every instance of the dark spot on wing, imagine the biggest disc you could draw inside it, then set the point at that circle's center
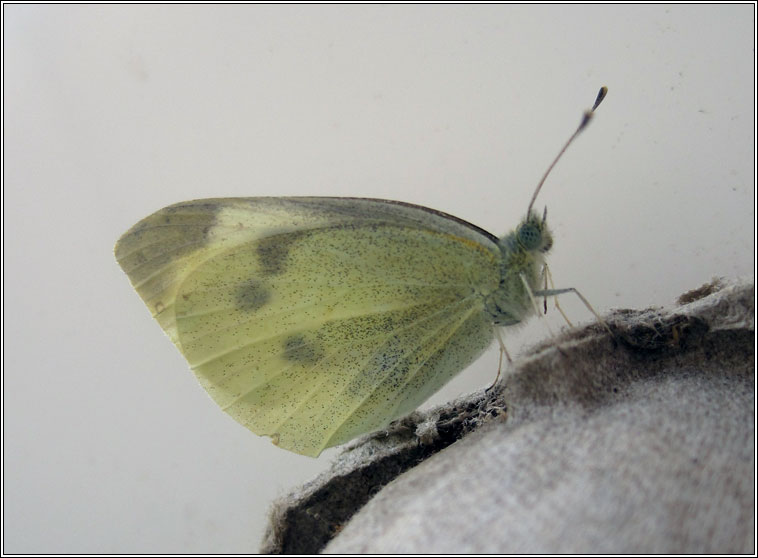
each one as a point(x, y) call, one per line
point(252, 296)
point(273, 251)
point(303, 348)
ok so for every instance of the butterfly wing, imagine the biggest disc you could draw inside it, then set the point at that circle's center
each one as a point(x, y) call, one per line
point(314, 320)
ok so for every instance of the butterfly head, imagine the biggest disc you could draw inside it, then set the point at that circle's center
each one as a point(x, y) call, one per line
point(533, 235)
point(523, 252)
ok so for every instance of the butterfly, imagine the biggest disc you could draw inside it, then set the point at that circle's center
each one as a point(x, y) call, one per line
point(313, 320)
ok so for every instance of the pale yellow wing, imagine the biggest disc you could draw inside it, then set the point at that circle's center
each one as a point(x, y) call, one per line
point(313, 320)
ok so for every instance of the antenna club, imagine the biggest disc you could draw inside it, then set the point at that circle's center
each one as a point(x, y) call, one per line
point(600, 96)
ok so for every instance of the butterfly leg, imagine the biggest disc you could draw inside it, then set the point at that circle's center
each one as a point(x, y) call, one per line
point(556, 292)
point(532, 298)
point(503, 351)
point(549, 277)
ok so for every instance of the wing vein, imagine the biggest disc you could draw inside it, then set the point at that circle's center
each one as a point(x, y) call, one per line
point(315, 391)
point(305, 326)
point(389, 370)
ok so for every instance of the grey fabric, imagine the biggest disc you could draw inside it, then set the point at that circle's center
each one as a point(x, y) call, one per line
point(638, 442)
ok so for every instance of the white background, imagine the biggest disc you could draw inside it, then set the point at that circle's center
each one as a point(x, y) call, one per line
point(112, 112)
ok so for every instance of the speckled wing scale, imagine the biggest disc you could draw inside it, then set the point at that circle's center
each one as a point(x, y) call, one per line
point(314, 320)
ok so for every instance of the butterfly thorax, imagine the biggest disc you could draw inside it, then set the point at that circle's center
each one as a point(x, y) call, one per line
point(523, 257)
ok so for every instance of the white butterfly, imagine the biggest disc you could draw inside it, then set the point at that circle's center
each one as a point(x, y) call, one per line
point(315, 320)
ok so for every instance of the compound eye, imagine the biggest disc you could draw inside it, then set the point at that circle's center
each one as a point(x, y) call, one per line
point(529, 236)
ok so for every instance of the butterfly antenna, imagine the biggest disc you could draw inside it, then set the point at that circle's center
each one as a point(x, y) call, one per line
point(582, 125)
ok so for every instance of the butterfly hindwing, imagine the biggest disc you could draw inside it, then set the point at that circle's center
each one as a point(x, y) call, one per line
point(313, 320)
